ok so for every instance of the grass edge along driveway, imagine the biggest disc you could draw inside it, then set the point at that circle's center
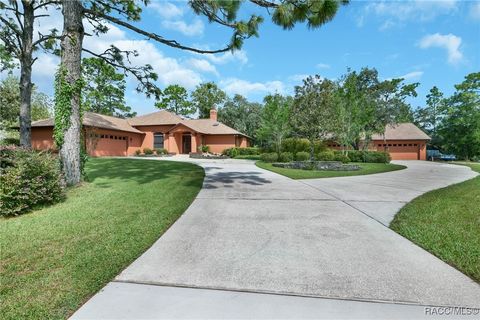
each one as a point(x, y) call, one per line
point(366, 168)
point(54, 259)
point(446, 222)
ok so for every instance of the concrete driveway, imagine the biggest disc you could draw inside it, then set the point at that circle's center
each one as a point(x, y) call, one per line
point(253, 231)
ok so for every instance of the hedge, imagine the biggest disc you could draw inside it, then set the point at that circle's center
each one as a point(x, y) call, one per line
point(286, 157)
point(366, 156)
point(233, 152)
point(269, 157)
point(28, 179)
point(295, 145)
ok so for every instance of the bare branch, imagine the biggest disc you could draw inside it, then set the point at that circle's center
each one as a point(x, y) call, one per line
point(153, 36)
point(142, 74)
point(46, 3)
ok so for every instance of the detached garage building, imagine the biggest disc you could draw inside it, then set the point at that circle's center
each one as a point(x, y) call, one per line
point(403, 141)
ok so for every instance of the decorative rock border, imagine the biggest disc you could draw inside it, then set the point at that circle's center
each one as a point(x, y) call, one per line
point(198, 155)
point(317, 165)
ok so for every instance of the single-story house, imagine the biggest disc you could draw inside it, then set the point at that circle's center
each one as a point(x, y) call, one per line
point(404, 141)
point(112, 136)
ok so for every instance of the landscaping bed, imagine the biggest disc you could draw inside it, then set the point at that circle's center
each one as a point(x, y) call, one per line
point(446, 222)
point(205, 155)
point(54, 259)
point(317, 165)
point(365, 168)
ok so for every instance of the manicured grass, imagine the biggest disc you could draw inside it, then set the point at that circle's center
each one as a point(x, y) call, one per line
point(446, 222)
point(366, 168)
point(54, 259)
point(248, 157)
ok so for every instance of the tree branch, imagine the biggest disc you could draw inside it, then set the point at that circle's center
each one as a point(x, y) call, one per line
point(153, 36)
point(46, 3)
point(43, 38)
point(265, 4)
point(142, 74)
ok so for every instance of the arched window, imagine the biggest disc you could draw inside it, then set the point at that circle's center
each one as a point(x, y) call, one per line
point(157, 140)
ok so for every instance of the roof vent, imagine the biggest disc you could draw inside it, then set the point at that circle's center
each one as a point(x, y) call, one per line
point(215, 124)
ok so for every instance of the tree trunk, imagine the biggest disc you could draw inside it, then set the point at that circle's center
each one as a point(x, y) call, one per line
point(71, 60)
point(312, 149)
point(26, 74)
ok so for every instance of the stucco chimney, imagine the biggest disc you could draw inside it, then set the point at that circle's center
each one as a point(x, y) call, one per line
point(213, 114)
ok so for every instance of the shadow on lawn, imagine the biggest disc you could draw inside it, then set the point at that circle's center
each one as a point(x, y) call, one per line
point(227, 179)
point(104, 172)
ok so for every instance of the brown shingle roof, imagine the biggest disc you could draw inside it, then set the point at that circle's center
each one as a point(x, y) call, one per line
point(161, 117)
point(95, 120)
point(207, 126)
point(402, 131)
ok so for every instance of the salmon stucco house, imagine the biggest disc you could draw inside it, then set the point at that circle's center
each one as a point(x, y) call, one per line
point(111, 136)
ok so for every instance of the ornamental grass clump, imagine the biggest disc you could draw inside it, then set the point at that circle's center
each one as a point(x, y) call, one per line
point(28, 179)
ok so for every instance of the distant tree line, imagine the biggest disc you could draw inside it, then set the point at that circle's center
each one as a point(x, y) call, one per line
point(454, 122)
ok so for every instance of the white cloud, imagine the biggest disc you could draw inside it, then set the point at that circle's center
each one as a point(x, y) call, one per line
point(323, 66)
point(166, 10)
point(45, 66)
point(245, 88)
point(202, 65)
point(475, 11)
point(237, 56)
point(399, 12)
point(193, 29)
point(169, 70)
point(298, 77)
point(449, 42)
point(412, 75)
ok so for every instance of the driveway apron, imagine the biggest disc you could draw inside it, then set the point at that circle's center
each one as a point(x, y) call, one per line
point(251, 230)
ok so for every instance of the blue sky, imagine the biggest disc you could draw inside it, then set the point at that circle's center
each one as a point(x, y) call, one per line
point(431, 42)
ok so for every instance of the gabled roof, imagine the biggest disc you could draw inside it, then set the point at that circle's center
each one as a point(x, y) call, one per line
point(161, 117)
point(95, 120)
point(402, 131)
point(208, 126)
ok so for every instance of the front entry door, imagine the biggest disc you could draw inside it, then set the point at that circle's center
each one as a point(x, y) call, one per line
point(186, 143)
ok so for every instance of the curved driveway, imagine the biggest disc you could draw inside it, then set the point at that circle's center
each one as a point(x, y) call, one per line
point(256, 231)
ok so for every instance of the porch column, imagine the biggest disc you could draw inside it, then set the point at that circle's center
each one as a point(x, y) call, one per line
point(166, 141)
point(193, 138)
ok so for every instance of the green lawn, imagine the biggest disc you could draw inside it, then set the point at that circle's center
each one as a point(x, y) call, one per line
point(248, 157)
point(366, 168)
point(446, 222)
point(54, 259)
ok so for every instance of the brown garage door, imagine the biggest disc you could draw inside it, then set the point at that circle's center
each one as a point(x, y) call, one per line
point(404, 151)
point(108, 145)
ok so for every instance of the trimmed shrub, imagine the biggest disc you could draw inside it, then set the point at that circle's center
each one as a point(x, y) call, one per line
point(269, 157)
point(295, 145)
point(302, 156)
point(233, 152)
point(28, 179)
point(138, 152)
point(203, 148)
point(10, 142)
point(286, 157)
point(161, 151)
point(147, 151)
point(356, 155)
point(341, 157)
point(377, 157)
point(368, 156)
point(325, 156)
point(319, 146)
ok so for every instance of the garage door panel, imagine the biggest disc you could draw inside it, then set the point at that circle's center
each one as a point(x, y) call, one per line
point(109, 147)
point(403, 153)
